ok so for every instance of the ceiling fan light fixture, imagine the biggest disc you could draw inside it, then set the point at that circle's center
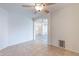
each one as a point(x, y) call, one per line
point(39, 7)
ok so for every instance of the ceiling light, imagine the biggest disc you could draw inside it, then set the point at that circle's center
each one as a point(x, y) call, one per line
point(39, 7)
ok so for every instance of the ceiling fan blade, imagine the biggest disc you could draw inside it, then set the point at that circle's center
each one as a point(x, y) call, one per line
point(47, 11)
point(27, 6)
point(50, 4)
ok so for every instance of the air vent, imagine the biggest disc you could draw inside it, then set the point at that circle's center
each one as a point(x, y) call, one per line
point(62, 43)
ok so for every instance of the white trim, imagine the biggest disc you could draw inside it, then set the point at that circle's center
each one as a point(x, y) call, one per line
point(72, 50)
point(75, 51)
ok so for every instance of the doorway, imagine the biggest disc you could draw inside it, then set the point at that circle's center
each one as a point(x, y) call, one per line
point(41, 29)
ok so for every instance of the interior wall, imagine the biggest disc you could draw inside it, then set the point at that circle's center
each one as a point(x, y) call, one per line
point(15, 27)
point(49, 17)
point(20, 28)
point(65, 26)
point(3, 28)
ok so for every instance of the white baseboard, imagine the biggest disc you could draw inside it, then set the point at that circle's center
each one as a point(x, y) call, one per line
point(72, 50)
point(68, 49)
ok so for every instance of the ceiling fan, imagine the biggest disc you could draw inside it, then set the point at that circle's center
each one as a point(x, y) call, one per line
point(39, 7)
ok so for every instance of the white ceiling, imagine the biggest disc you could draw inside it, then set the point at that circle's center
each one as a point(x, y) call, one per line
point(12, 7)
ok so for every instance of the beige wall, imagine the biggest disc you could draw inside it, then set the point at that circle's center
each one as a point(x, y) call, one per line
point(65, 26)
